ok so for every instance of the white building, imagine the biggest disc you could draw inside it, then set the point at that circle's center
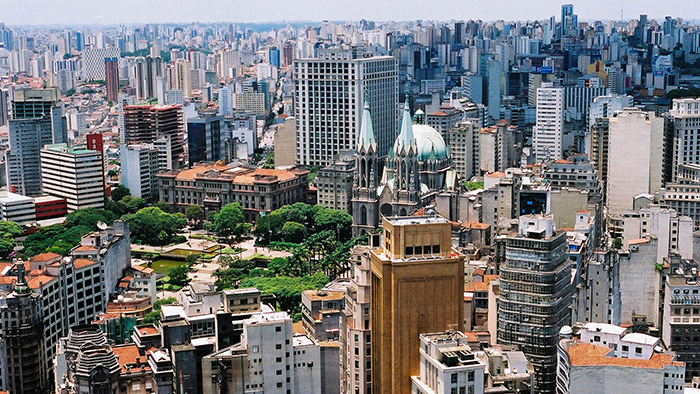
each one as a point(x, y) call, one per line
point(225, 101)
point(73, 173)
point(270, 359)
point(674, 232)
point(447, 366)
point(549, 126)
point(17, 208)
point(606, 106)
point(602, 358)
point(140, 164)
point(684, 119)
point(633, 168)
point(326, 125)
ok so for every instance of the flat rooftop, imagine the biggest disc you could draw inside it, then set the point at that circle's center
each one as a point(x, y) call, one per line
point(408, 220)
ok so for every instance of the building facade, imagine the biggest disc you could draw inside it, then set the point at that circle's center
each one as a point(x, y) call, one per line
point(73, 173)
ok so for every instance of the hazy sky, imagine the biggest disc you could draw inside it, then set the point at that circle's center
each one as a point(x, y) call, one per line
point(40, 12)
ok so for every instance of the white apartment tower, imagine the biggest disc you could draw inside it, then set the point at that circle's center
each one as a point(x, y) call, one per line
point(549, 126)
point(329, 99)
point(684, 118)
point(73, 173)
point(635, 150)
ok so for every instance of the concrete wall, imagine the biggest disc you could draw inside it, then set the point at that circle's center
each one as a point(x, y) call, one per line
point(639, 282)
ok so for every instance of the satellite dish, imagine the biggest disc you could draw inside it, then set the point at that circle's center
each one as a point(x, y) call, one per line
point(102, 225)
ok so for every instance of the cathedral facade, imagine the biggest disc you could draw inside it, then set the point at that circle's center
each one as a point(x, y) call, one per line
point(417, 168)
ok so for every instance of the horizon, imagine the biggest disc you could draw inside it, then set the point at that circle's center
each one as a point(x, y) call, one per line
point(99, 14)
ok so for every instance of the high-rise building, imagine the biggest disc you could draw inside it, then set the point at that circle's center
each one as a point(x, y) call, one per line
point(569, 20)
point(682, 123)
point(606, 106)
point(535, 295)
point(140, 165)
point(633, 169)
point(465, 145)
point(417, 287)
point(329, 101)
point(549, 126)
point(94, 65)
point(448, 365)
point(37, 120)
point(148, 124)
point(204, 140)
point(112, 79)
point(4, 109)
point(275, 56)
point(23, 348)
point(73, 173)
point(225, 102)
point(182, 77)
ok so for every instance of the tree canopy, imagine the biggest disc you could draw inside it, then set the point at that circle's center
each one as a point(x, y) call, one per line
point(229, 221)
point(151, 226)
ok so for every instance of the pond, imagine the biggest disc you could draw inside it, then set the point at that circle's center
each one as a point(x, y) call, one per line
point(162, 266)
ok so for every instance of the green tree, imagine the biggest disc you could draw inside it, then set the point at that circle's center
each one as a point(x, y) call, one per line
point(120, 192)
point(152, 317)
point(12, 229)
point(194, 213)
point(178, 276)
point(89, 217)
point(287, 289)
point(229, 221)
point(339, 222)
point(293, 232)
point(617, 243)
point(164, 206)
point(151, 226)
point(270, 161)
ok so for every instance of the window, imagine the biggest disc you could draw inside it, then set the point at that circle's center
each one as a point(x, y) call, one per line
point(638, 350)
point(278, 346)
point(470, 376)
point(453, 378)
point(625, 348)
point(278, 329)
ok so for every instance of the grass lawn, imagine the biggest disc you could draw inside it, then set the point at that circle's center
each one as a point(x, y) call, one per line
point(162, 266)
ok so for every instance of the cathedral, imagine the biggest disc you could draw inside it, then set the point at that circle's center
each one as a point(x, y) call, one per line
point(415, 171)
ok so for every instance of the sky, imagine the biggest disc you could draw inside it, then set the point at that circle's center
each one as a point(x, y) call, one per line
point(108, 12)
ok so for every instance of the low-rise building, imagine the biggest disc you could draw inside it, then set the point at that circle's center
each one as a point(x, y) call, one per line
point(258, 191)
point(17, 208)
point(602, 358)
point(320, 313)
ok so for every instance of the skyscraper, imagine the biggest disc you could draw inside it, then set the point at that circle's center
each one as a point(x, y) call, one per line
point(682, 122)
point(37, 120)
point(568, 18)
point(112, 79)
point(23, 367)
point(3, 107)
point(417, 287)
point(94, 65)
point(549, 126)
point(535, 295)
point(275, 56)
point(204, 140)
point(73, 173)
point(329, 101)
point(182, 77)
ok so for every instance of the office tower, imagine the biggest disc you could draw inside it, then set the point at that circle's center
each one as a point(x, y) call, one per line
point(535, 295)
point(578, 99)
point(23, 348)
point(448, 365)
point(182, 77)
point(329, 101)
point(569, 20)
point(681, 319)
point(112, 79)
point(287, 54)
point(4, 109)
point(681, 126)
point(37, 120)
point(633, 168)
point(204, 140)
point(274, 55)
point(150, 124)
point(73, 173)
point(251, 102)
point(496, 85)
point(549, 126)
point(417, 287)
point(640, 30)
point(225, 101)
point(94, 65)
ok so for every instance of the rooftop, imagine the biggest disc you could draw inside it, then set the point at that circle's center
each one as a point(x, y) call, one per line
point(320, 295)
point(407, 220)
point(586, 354)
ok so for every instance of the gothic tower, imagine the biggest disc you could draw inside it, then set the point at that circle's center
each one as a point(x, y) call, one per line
point(402, 164)
point(364, 197)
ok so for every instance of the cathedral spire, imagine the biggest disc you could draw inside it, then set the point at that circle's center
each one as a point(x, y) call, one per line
point(406, 135)
point(366, 137)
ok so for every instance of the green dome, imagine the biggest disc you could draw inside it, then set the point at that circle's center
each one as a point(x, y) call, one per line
point(427, 140)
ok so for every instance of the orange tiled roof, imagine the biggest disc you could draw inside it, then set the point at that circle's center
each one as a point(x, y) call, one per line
point(586, 354)
point(142, 268)
point(639, 241)
point(481, 286)
point(43, 257)
point(497, 174)
point(127, 354)
point(36, 282)
point(81, 263)
point(147, 330)
point(562, 161)
point(85, 248)
point(476, 225)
